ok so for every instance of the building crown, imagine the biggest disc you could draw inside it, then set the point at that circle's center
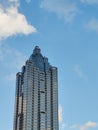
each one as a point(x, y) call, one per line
point(37, 50)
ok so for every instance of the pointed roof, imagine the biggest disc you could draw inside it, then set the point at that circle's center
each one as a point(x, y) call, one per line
point(37, 50)
point(39, 60)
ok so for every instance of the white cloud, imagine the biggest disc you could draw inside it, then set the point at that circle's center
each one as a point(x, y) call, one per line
point(78, 71)
point(63, 126)
point(85, 126)
point(7, 3)
point(28, 1)
point(11, 58)
point(13, 0)
point(12, 22)
point(90, 1)
point(88, 125)
point(60, 114)
point(11, 61)
point(10, 77)
point(92, 25)
point(62, 8)
point(74, 126)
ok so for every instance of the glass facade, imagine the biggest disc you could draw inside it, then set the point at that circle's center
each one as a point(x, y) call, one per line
point(36, 99)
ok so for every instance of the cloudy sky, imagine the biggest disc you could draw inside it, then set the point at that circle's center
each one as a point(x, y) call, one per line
point(67, 33)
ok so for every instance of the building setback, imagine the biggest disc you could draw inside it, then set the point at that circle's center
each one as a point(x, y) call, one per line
point(36, 99)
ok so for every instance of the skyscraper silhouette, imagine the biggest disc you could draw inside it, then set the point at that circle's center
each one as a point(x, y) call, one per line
point(36, 99)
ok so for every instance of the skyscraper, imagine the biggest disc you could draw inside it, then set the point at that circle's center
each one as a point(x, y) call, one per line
point(36, 100)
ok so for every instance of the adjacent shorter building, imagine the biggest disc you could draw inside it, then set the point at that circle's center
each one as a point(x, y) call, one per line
point(36, 100)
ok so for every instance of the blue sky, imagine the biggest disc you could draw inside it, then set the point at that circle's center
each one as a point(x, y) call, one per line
point(67, 33)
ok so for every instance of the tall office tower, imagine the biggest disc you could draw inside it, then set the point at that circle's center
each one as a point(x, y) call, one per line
point(36, 101)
